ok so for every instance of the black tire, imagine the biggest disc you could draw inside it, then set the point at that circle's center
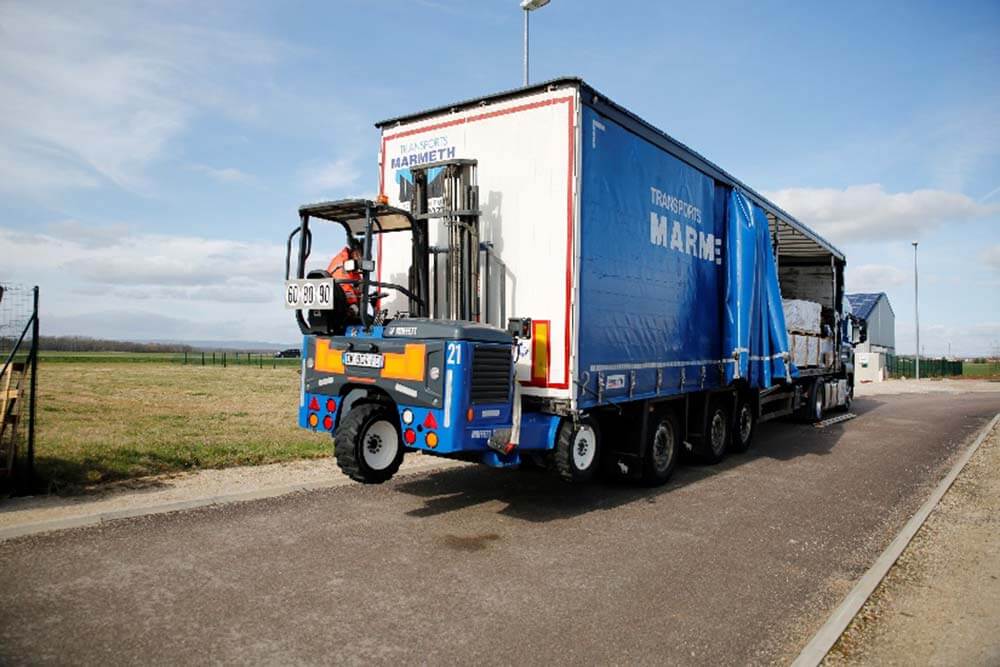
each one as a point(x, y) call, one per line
point(359, 439)
point(711, 447)
point(577, 454)
point(744, 425)
point(849, 399)
point(816, 401)
point(662, 451)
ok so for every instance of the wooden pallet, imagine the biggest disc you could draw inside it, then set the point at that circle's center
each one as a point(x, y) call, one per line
point(10, 405)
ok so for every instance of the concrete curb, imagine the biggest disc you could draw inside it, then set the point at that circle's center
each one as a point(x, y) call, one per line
point(827, 636)
point(97, 518)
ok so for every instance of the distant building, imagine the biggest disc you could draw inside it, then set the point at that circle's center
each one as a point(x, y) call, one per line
point(876, 311)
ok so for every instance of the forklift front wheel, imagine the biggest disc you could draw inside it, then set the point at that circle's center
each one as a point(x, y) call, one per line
point(577, 452)
point(367, 445)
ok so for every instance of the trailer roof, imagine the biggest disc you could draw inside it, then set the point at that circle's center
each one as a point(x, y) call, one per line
point(794, 237)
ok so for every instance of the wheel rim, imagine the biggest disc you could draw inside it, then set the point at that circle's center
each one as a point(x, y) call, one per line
point(664, 446)
point(746, 423)
point(718, 431)
point(584, 447)
point(818, 402)
point(379, 445)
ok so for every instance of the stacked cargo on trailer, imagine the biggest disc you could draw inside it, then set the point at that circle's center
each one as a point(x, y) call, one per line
point(636, 287)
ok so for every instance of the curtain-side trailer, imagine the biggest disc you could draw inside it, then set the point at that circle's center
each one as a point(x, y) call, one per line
point(546, 278)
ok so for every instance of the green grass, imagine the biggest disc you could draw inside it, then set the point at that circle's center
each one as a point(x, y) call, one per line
point(981, 370)
point(106, 421)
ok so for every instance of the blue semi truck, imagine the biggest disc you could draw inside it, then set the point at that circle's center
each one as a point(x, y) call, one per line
point(546, 279)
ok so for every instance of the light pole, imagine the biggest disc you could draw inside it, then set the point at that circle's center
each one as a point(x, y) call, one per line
point(916, 306)
point(529, 6)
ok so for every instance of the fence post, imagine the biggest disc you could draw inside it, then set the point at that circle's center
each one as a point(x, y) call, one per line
point(223, 359)
point(33, 389)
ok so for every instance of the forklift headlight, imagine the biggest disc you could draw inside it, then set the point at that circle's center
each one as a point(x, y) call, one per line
point(407, 416)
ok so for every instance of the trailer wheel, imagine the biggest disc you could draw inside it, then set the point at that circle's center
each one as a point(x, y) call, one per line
point(816, 401)
point(711, 447)
point(743, 426)
point(662, 451)
point(577, 452)
point(849, 398)
point(367, 445)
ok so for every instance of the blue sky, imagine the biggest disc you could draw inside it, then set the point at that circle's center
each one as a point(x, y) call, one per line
point(152, 153)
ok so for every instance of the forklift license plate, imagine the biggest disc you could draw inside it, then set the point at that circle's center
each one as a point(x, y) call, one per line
point(363, 359)
point(309, 294)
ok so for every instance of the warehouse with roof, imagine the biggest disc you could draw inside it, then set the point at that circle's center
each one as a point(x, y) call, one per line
point(877, 313)
point(880, 320)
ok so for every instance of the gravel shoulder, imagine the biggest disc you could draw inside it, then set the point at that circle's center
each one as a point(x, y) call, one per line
point(940, 603)
point(166, 491)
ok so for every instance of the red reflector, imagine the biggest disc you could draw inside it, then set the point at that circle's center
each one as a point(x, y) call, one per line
point(430, 422)
point(328, 422)
point(331, 405)
point(314, 403)
point(409, 436)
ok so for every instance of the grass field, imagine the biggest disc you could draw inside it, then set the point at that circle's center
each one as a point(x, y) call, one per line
point(985, 370)
point(102, 421)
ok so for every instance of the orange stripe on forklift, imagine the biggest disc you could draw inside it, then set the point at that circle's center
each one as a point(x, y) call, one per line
point(406, 365)
point(327, 360)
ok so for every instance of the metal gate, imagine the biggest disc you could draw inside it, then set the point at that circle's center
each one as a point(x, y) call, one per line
point(18, 391)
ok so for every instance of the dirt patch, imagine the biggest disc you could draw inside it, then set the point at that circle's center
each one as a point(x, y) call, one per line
point(469, 542)
point(940, 603)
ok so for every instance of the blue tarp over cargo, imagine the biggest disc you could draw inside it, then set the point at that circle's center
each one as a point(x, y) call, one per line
point(676, 273)
point(754, 333)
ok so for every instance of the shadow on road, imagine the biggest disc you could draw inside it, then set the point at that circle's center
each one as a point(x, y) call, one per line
point(538, 496)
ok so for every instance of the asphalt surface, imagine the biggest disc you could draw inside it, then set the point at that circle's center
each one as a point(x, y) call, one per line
point(733, 564)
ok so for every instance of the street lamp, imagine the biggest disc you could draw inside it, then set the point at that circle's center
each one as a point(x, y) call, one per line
point(529, 6)
point(916, 310)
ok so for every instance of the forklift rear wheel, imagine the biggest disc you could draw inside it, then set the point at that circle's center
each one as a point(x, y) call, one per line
point(577, 452)
point(661, 452)
point(744, 426)
point(712, 446)
point(367, 445)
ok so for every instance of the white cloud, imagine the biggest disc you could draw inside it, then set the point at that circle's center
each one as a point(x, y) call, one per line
point(111, 279)
point(874, 277)
point(337, 175)
point(96, 93)
point(991, 256)
point(868, 212)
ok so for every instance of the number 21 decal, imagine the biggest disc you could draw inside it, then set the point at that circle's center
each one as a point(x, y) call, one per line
point(454, 354)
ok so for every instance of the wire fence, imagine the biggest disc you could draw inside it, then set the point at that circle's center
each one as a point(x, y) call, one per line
point(218, 359)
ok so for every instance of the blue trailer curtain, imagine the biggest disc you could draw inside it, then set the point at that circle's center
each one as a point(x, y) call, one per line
point(754, 333)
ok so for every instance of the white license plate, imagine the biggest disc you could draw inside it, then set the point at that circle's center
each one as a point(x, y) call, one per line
point(309, 294)
point(363, 359)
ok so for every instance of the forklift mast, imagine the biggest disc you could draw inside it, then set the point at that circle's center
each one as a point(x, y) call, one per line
point(459, 215)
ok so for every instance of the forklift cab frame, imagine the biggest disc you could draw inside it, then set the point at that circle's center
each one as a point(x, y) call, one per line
point(361, 218)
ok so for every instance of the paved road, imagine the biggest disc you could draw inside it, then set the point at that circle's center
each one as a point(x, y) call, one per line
point(731, 564)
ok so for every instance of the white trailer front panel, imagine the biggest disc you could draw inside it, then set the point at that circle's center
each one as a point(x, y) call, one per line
point(526, 151)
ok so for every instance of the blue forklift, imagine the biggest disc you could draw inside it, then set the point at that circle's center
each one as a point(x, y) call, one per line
point(443, 384)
